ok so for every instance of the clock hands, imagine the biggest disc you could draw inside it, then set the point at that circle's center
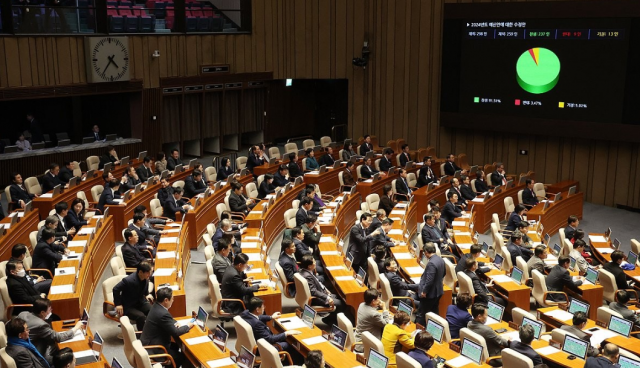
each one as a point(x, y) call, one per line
point(109, 63)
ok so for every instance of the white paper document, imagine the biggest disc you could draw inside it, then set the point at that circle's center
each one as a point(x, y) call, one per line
point(65, 271)
point(83, 353)
point(183, 322)
point(368, 181)
point(174, 224)
point(513, 335)
point(171, 231)
point(597, 239)
point(461, 233)
point(344, 278)
point(326, 239)
point(166, 255)
point(46, 195)
point(78, 336)
point(168, 239)
point(599, 336)
point(314, 340)
point(501, 278)
point(330, 253)
point(249, 245)
point(77, 243)
point(464, 246)
point(197, 340)
point(254, 256)
point(477, 199)
point(401, 205)
point(547, 350)
point(220, 363)
point(414, 270)
point(335, 268)
point(397, 212)
point(402, 255)
point(605, 250)
point(458, 223)
point(459, 362)
point(61, 289)
point(560, 315)
point(87, 230)
point(292, 323)
point(164, 271)
point(252, 238)
point(395, 232)
point(396, 218)
point(416, 280)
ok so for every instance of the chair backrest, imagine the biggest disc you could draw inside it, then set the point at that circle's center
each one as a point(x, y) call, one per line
point(260, 180)
point(373, 201)
point(635, 247)
point(274, 152)
point(93, 162)
point(308, 143)
point(446, 335)
point(325, 141)
point(405, 361)
point(518, 314)
point(340, 178)
point(141, 355)
point(522, 264)
point(302, 290)
point(210, 173)
point(412, 180)
point(156, 207)
point(473, 185)
point(442, 168)
point(128, 336)
point(220, 207)
point(283, 280)
point(371, 342)
point(507, 263)
point(241, 162)
point(7, 193)
point(359, 171)
point(33, 238)
point(466, 333)
point(77, 171)
point(3, 336)
point(209, 252)
point(520, 196)
point(376, 163)
point(96, 192)
point(245, 334)
point(290, 218)
point(304, 164)
point(558, 334)
point(373, 274)
point(3, 270)
point(80, 194)
point(393, 186)
point(511, 358)
point(252, 190)
point(465, 284)
point(295, 204)
point(385, 288)
point(398, 164)
point(32, 185)
point(345, 324)
point(117, 266)
point(7, 361)
point(539, 287)
point(268, 355)
point(6, 298)
point(364, 207)
point(290, 148)
point(604, 314)
point(508, 205)
point(608, 283)
point(450, 276)
point(226, 203)
point(178, 183)
point(215, 295)
point(538, 189)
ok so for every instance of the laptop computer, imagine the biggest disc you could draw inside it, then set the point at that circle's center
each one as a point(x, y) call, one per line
point(556, 249)
point(632, 258)
point(516, 275)
point(142, 155)
point(498, 261)
point(164, 174)
point(322, 169)
point(201, 319)
point(620, 325)
point(107, 167)
point(607, 233)
point(115, 363)
point(572, 263)
point(498, 189)
point(192, 163)
point(377, 360)
point(9, 149)
point(73, 182)
point(86, 140)
point(308, 316)
point(336, 164)
point(435, 329)
point(616, 244)
point(64, 142)
point(625, 362)
point(473, 170)
point(509, 184)
point(360, 276)
point(546, 239)
point(522, 180)
point(575, 346)
point(179, 168)
point(557, 197)
point(97, 342)
point(28, 206)
point(57, 189)
point(405, 307)
point(537, 326)
point(572, 191)
point(137, 189)
point(111, 137)
point(485, 248)
point(90, 174)
point(245, 359)
point(495, 312)
point(124, 161)
point(545, 205)
point(472, 351)
point(338, 337)
point(591, 276)
point(578, 306)
point(219, 336)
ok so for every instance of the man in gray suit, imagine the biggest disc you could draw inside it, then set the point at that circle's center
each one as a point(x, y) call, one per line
point(221, 261)
point(43, 337)
point(369, 318)
point(20, 348)
point(431, 284)
point(495, 343)
point(621, 307)
point(161, 327)
point(322, 296)
point(579, 322)
point(537, 261)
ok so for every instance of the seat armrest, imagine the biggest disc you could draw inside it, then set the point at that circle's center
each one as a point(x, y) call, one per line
point(44, 270)
point(167, 356)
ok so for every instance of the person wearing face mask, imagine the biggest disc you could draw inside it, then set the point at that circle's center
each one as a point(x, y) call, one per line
point(43, 337)
point(369, 318)
point(20, 348)
point(235, 285)
point(18, 254)
point(21, 290)
point(47, 254)
point(131, 295)
point(64, 359)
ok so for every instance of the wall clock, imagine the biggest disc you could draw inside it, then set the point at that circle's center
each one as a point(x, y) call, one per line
point(107, 59)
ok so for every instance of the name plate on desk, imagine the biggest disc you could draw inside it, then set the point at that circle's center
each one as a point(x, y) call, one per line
point(62, 289)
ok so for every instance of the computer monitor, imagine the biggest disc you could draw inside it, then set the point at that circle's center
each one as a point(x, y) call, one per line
point(537, 326)
point(219, 337)
point(309, 316)
point(404, 307)
point(85, 316)
point(498, 261)
point(115, 363)
point(377, 360)
point(90, 174)
point(556, 249)
point(472, 351)
point(350, 259)
point(628, 362)
point(435, 329)
point(557, 197)
point(495, 310)
point(142, 155)
point(245, 359)
point(572, 191)
point(620, 325)
point(516, 275)
point(338, 337)
point(124, 161)
point(97, 338)
point(575, 346)
point(360, 276)
point(632, 258)
point(57, 189)
point(607, 233)
point(485, 248)
point(64, 142)
point(572, 264)
point(591, 275)
point(73, 181)
point(178, 169)
point(107, 167)
point(192, 163)
point(547, 237)
point(578, 306)
point(616, 243)
point(201, 319)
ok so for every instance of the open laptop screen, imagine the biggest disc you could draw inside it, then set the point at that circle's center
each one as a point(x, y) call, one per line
point(516, 275)
point(435, 329)
point(628, 362)
point(591, 275)
point(620, 325)
point(308, 316)
point(471, 350)
point(404, 307)
point(495, 310)
point(201, 319)
point(537, 326)
point(245, 358)
point(338, 337)
point(575, 346)
point(377, 360)
point(578, 306)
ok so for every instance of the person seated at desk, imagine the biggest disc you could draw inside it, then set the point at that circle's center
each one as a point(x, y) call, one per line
point(369, 318)
point(133, 253)
point(395, 337)
point(366, 146)
point(586, 252)
point(288, 263)
point(621, 307)
point(221, 260)
point(225, 230)
point(165, 192)
point(233, 285)
point(458, 315)
point(75, 217)
point(526, 334)
point(310, 162)
point(404, 155)
point(110, 156)
point(18, 254)
point(267, 187)
point(580, 320)
point(150, 232)
point(559, 277)
point(495, 343)
point(498, 177)
point(455, 187)
point(347, 176)
point(379, 255)
point(21, 289)
point(423, 341)
point(160, 327)
point(441, 224)
point(399, 286)
point(23, 144)
point(281, 178)
point(327, 158)
point(386, 203)
point(161, 163)
point(304, 211)
point(382, 238)
point(516, 217)
point(51, 222)
point(303, 249)
point(377, 220)
point(294, 168)
point(529, 197)
point(402, 186)
point(536, 262)
point(42, 336)
point(323, 297)
point(481, 182)
point(108, 195)
point(483, 295)
point(515, 248)
point(176, 204)
point(572, 226)
point(451, 211)
point(255, 158)
point(255, 317)
point(523, 227)
point(51, 179)
point(465, 188)
point(609, 358)
point(136, 226)
point(475, 252)
point(450, 166)
point(20, 348)
point(62, 210)
point(95, 133)
point(312, 234)
point(144, 171)
point(385, 162)
point(426, 175)
point(19, 194)
point(432, 234)
point(47, 254)
point(348, 152)
point(576, 253)
point(367, 170)
point(614, 267)
point(64, 358)
point(237, 201)
point(66, 173)
point(130, 180)
point(174, 160)
point(193, 184)
point(131, 295)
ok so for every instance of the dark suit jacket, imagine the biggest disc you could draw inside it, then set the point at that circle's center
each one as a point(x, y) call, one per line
point(311, 237)
point(404, 158)
point(100, 137)
point(49, 181)
point(160, 327)
point(144, 173)
point(327, 160)
point(238, 203)
point(429, 235)
point(18, 193)
point(171, 206)
point(365, 147)
point(568, 232)
point(347, 178)
point(223, 173)
point(60, 229)
point(105, 159)
point(302, 249)
point(599, 362)
point(495, 343)
point(558, 278)
point(294, 170)
point(72, 220)
point(467, 192)
point(21, 291)
point(367, 172)
point(516, 251)
point(266, 189)
point(375, 224)
point(132, 255)
point(426, 176)
point(131, 292)
point(399, 287)
point(402, 186)
point(529, 197)
point(482, 293)
point(526, 350)
point(253, 161)
point(164, 194)
point(422, 358)
point(315, 286)
point(107, 197)
point(358, 244)
point(172, 163)
point(192, 188)
point(141, 236)
point(450, 212)
point(385, 164)
point(496, 178)
point(450, 168)
point(260, 328)
point(618, 273)
point(290, 267)
point(301, 216)
point(279, 180)
point(431, 281)
point(481, 186)
point(216, 238)
point(232, 287)
point(47, 256)
point(386, 204)
point(65, 175)
point(463, 259)
point(24, 358)
point(514, 221)
point(458, 319)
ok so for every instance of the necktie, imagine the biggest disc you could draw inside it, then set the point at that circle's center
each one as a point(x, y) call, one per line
point(504, 180)
point(96, 136)
point(406, 185)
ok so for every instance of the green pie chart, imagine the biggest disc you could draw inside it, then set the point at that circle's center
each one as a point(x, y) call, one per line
point(538, 70)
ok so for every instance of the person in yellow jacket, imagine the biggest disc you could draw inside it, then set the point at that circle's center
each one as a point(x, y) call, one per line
point(394, 337)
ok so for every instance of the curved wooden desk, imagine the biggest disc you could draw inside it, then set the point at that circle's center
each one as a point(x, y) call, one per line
point(556, 215)
point(78, 346)
point(423, 197)
point(18, 232)
point(173, 254)
point(495, 204)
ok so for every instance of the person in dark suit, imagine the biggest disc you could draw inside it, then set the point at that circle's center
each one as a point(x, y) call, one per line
point(51, 179)
point(347, 175)
point(451, 211)
point(458, 315)
point(175, 204)
point(455, 187)
point(614, 267)
point(450, 166)
point(386, 203)
point(165, 192)
point(404, 155)
point(237, 202)
point(108, 195)
point(136, 226)
point(302, 249)
point(431, 284)
point(129, 180)
point(467, 193)
point(382, 238)
point(62, 210)
point(288, 263)
point(34, 129)
point(47, 255)
point(620, 306)
point(426, 175)
point(20, 348)
point(66, 173)
point(322, 296)
point(304, 211)
point(95, 132)
point(379, 255)
point(133, 253)
point(516, 217)
point(516, 248)
point(193, 185)
point(19, 194)
point(359, 241)
point(312, 234)
point(580, 320)
point(160, 326)
point(233, 285)
point(367, 170)
point(572, 226)
point(131, 295)
point(481, 183)
point(523, 346)
point(529, 197)
point(402, 185)
point(225, 170)
point(225, 229)
point(399, 286)
point(609, 358)
point(483, 295)
point(294, 168)
point(327, 158)
point(366, 146)
point(498, 177)
point(385, 162)
point(559, 277)
point(110, 156)
point(281, 178)
point(266, 187)
point(18, 254)
point(75, 217)
point(20, 289)
point(432, 234)
point(255, 158)
point(174, 160)
point(144, 171)
point(422, 342)
point(377, 220)
point(495, 343)
point(475, 252)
